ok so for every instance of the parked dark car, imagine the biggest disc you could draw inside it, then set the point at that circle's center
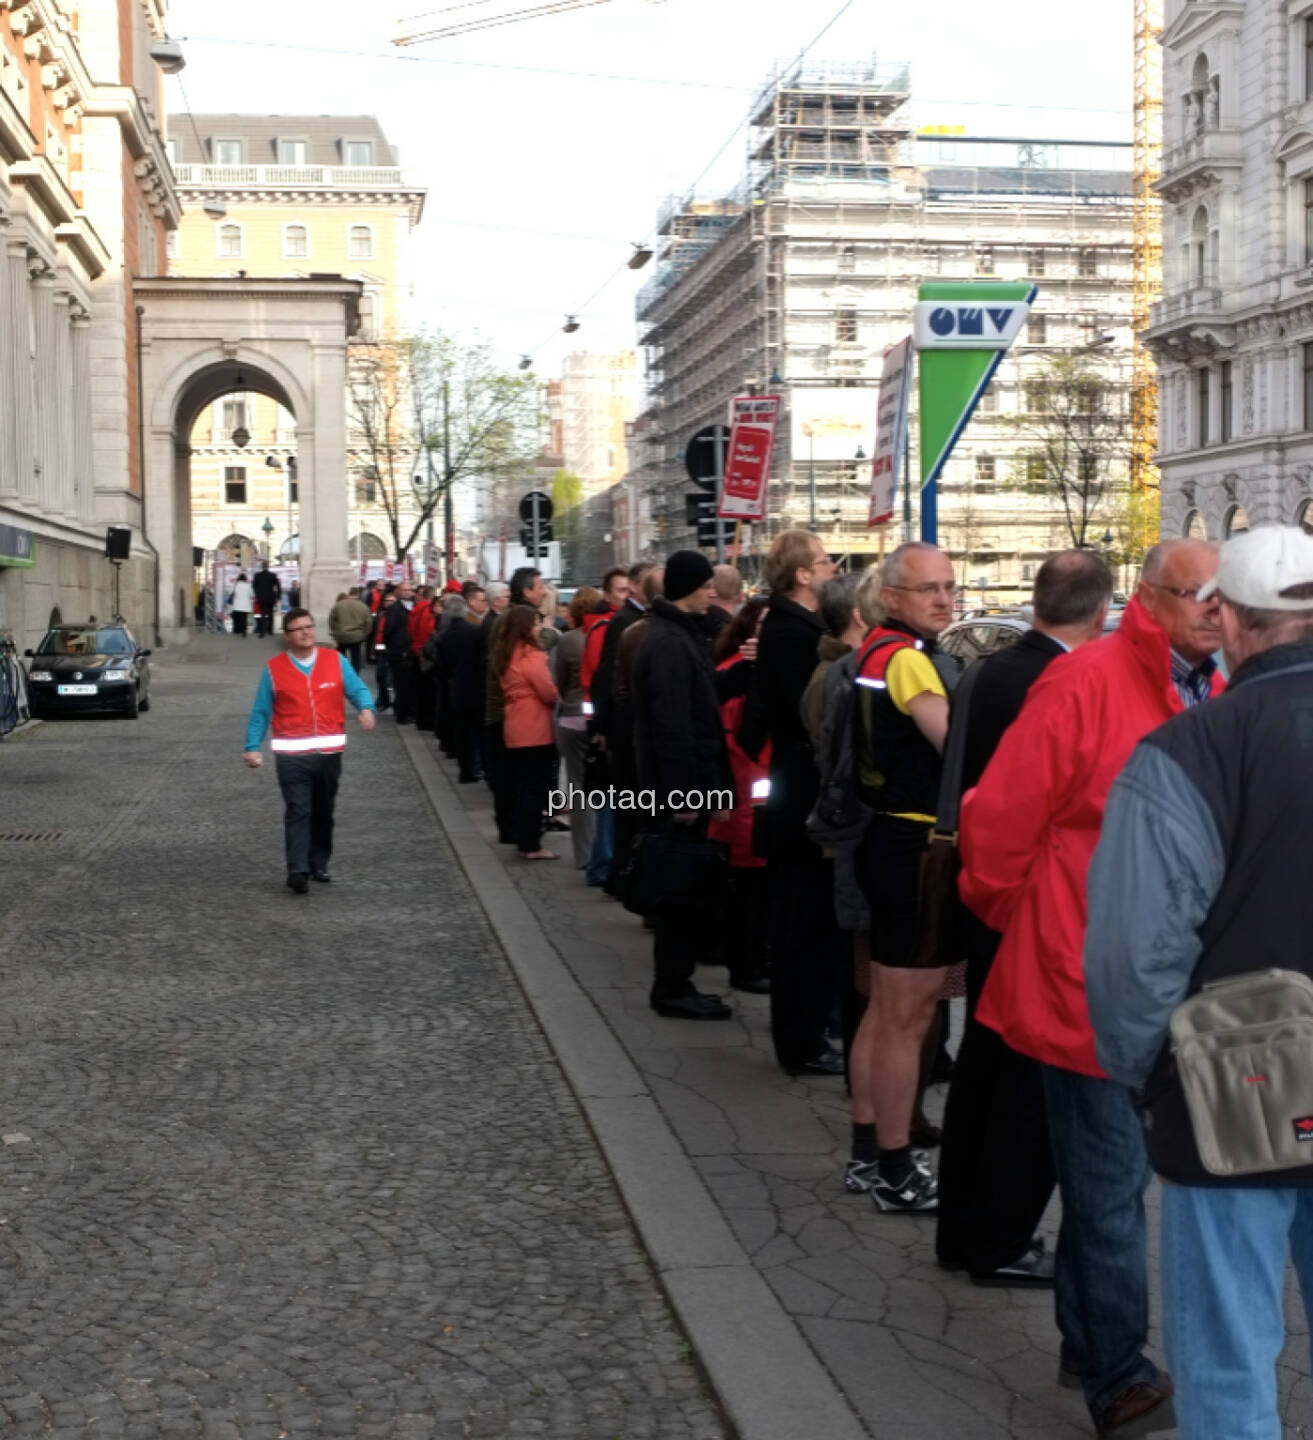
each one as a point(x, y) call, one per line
point(979, 635)
point(88, 667)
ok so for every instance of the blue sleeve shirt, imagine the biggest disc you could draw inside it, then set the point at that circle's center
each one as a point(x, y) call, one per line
point(262, 711)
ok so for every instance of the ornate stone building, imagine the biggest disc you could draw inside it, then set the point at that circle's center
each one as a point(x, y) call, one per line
point(1234, 329)
point(86, 202)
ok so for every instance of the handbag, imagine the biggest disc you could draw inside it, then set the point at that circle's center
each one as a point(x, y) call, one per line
point(1243, 1049)
point(938, 938)
point(673, 871)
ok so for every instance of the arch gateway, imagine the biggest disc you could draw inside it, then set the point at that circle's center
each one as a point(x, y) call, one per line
point(201, 339)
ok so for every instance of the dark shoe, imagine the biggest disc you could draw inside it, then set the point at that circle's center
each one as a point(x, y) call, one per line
point(751, 984)
point(1144, 1408)
point(826, 1062)
point(859, 1177)
point(468, 779)
point(917, 1194)
point(923, 1134)
point(560, 826)
point(1034, 1269)
point(322, 876)
point(298, 882)
point(693, 1006)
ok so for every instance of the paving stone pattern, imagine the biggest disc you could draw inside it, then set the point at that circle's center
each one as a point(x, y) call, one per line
point(278, 1166)
point(920, 1353)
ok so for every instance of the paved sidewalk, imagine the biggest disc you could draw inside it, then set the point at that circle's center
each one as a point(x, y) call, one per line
point(919, 1353)
point(274, 1166)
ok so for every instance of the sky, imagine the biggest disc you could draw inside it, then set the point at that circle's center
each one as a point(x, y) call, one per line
point(547, 146)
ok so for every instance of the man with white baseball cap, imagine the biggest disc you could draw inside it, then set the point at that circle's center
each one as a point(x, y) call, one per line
point(1202, 875)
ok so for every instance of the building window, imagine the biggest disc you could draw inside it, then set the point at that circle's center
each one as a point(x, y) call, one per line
point(1308, 59)
point(293, 152)
point(1037, 470)
point(1087, 264)
point(293, 488)
point(1087, 468)
point(234, 484)
point(1037, 397)
point(296, 242)
point(358, 152)
point(367, 547)
point(230, 245)
point(226, 152)
point(1308, 222)
point(366, 491)
point(1194, 528)
point(1308, 387)
point(845, 327)
point(370, 301)
point(989, 401)
point(1226, 415)
point(1204, 384)
point(360, 242)
point(1037, 330)
point(1034, 262)
point(847, 259)
point(932, 260)
point(986, 469)
point(171, 244)
point(1236, 522)
point(171, 150)
point(984, 259)
point(1304, 516)
point(234, 415)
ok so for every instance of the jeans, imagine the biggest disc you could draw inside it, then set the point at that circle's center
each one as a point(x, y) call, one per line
point(1101, 1281)
point(1224, 1267)
point(309, 785)
point(599, 862)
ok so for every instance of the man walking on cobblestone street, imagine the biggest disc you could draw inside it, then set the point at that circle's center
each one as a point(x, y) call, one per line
point(302, 694)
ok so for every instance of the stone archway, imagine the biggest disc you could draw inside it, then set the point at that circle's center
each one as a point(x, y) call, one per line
point(287, 339)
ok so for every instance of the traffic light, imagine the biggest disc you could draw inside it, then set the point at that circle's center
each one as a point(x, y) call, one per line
point(700, 513)
point(535, 545)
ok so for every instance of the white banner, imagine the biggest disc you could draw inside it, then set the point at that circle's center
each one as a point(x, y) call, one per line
point(891, 431)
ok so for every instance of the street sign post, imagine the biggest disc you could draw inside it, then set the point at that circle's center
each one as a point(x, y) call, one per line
point(751, 446)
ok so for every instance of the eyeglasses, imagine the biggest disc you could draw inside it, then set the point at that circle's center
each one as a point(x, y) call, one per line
point(1190, 592)
point(944, 587)
point(298, 630)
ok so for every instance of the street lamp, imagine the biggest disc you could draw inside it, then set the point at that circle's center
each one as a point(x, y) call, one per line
point(268, 528)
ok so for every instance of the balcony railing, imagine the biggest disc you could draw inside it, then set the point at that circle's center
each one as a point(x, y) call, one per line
point(295, 177)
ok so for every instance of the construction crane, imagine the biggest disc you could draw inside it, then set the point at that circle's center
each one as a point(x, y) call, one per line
point(446, 21)
point(1147, 260)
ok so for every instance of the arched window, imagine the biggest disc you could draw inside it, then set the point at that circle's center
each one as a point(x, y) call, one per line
point(1304, 516)
point(1194, 527)
point(360, 242)
point(1201, 98)
point(290, 549)
point(237, 549)
point(229, 244)
point(366, 546)
point(1201, 247)
point(1236, 522)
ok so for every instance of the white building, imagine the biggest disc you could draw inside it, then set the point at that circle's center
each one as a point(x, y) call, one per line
point(1233, 331)
point(799, 280)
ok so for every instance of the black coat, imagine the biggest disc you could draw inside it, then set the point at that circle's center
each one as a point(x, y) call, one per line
point(268, 588)
point(677, 729)
point(396, 633)
point(458, 652)
point(786, 659)
point(604, 718)
point(999, 691)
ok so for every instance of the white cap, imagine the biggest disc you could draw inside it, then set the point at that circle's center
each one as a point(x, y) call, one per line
point(1269, 568)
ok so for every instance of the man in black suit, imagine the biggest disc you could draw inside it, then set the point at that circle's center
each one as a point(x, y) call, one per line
point(996, 1173)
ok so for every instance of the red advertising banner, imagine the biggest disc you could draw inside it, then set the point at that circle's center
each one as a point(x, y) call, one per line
point(753, 419)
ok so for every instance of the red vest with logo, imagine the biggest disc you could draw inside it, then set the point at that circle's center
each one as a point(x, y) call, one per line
point(309, 710)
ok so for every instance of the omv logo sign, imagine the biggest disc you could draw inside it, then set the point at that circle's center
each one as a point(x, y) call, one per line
point(968, 325)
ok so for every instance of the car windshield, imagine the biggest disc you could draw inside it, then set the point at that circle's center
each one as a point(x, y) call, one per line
point(86, 640)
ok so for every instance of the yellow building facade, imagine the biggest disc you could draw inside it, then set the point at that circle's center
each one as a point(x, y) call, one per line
point(287, 195)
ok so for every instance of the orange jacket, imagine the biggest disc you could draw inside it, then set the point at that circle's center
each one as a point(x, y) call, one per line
point(530, 698)
point(1029, 829)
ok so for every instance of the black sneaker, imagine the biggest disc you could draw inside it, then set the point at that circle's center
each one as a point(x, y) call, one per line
point(917, 1194)
point(322, 876)
point(298, 882)
point(859, 1175)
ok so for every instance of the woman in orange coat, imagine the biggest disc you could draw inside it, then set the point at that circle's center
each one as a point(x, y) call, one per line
point(530, 697)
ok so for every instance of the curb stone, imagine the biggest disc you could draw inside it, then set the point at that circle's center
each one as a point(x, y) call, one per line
point(764, 1373)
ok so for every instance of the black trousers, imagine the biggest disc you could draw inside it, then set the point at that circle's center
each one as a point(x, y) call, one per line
point(426, 693)
point(682, 937)
point(498, 770)
point(353, 652)
point(403, 683)
point(532, 768)
point(745, 946)
point(309, 785)
point(628, 823)
point(443, 723)
point(240, 617)
point(996, 1172)
point(467, 725)
point(808, 951)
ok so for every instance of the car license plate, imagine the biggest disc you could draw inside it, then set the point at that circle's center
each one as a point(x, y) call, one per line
point(78, 689)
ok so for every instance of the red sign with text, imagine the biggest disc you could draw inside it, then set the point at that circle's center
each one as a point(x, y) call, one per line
point(753, 419)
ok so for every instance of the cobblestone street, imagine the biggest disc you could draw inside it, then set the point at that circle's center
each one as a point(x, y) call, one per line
point(279, 1166)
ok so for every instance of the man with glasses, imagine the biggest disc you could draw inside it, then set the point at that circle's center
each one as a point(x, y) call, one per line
point(302, 694)
point(1028, 832)
point(900, 725)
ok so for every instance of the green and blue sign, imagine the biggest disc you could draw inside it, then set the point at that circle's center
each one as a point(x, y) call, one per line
point(963, 331)
point(17, 548)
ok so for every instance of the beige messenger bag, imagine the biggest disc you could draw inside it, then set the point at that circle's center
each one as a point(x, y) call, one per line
point(1244, 1052)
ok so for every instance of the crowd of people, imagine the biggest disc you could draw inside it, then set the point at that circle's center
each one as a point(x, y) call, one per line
point(800, 786)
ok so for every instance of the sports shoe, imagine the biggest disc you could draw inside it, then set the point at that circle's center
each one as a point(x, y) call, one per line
point(859, 1175)
point(918, 1194)
point(1142, 1408)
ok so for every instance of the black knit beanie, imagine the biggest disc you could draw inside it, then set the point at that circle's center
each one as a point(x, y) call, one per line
point(686, 571)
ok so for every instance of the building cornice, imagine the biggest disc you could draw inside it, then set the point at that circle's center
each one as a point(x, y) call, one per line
point(80, 237)
point(411, 198)
point(1198, 19)
point(16, 140)
point(150, 163)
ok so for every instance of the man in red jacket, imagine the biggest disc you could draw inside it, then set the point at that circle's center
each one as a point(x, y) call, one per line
point(1028, 832)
